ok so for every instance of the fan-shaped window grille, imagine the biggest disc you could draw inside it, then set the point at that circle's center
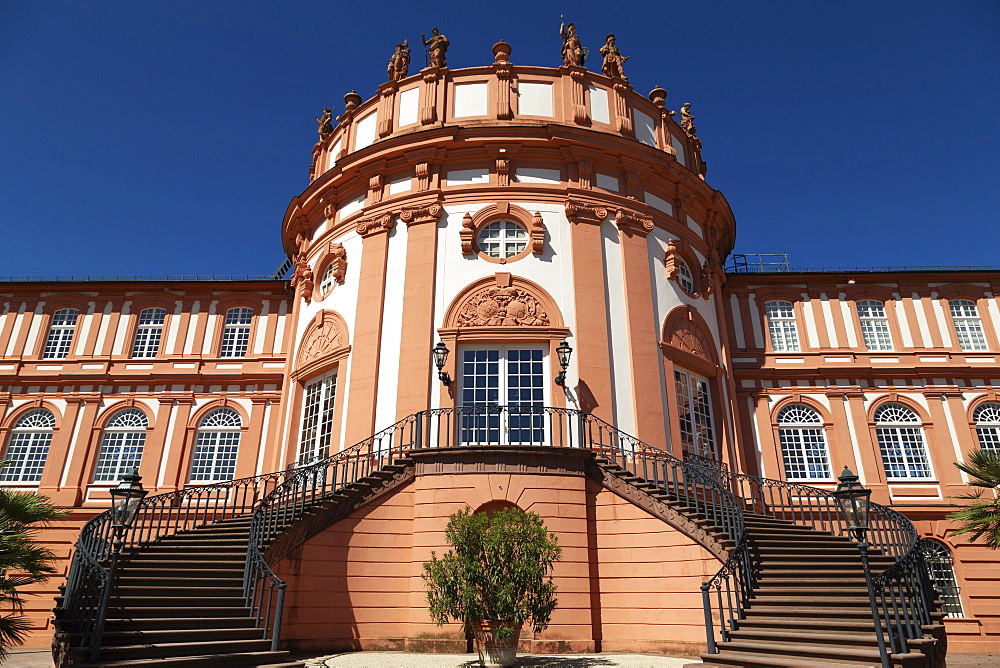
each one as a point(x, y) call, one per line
point(122, 445)
point(28, 447)
point(216, 446)
point(781, 326)
point(941, 570)
point(236, 332)
point(874, 325)
point(60, 334)
point(803, 443)
point(148, 332)
point(901, 440)
point(968, 326)
point(328, 280)
point(684, 276)
point(987, 419)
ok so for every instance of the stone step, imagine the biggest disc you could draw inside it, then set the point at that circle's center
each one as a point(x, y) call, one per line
point(168, 650)
point(796, 624)
point(178, 625)
point(186, 612)
point(230, 659)
point(153, 636)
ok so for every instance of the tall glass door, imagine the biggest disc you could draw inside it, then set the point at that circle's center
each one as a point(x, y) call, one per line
point(502, 394)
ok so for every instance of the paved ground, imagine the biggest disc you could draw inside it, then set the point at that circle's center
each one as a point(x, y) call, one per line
point(410, 660)
point(39, 657)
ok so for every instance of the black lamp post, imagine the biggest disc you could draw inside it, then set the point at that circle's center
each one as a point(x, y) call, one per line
point(854, 501)
point(440, 354)
point(564, 352)
point(125, 499)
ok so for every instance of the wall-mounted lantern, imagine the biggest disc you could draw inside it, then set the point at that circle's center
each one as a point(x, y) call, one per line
point(564, 352)
point(440, 353)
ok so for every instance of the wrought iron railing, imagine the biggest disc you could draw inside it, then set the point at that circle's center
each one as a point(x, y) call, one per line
point(91, 577)
point(901, 596)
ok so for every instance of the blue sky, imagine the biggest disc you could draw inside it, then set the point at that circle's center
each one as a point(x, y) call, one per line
point(167, 138)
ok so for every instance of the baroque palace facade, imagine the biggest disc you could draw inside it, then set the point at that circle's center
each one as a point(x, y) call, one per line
point(500, 211)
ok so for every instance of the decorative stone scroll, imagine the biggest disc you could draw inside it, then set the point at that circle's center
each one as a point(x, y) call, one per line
point(374, 225)
point(630, 221)
point(713, 272)
point(302, 279)
point(338, 264)
point(537, 233)
point(578, 212)
point(324, 342)
point(672, 260)
point(428, 213)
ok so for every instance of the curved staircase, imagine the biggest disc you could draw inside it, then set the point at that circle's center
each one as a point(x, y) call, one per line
point(191, 584)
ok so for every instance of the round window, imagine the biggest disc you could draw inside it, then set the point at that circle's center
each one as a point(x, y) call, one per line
point(502, 239)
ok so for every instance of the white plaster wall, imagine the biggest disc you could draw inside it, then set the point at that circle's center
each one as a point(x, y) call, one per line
point(118, 346)
point(392, 328)
point(645, 128)
point(466, 177)
point(84, 323)
point(659, 204)
point(343, 298)
point(600, 112)
point(365, 131)
point(607, 182)
point(350, 207)
point(409, 105)
point(534, 99)
point(18, 324)
point(537, 175)
point(620, 348)
point(470, 99)
point(35, 323)
point(553, 270)
point(679, 147)
point(401, 185)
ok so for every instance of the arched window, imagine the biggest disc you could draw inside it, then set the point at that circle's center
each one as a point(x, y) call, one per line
point(941, 570)
point(28, 447)
point(901, 440)
point(968, 326)
point(781, 326)
point(874, 325)
point(803, 443)
point(684, 277)
point(236, 332)
point(987, 419)
point(694, 412)
point(121, 447)
point(60, 334)
point(148, 332)
point(317, 419)
point(216, 447)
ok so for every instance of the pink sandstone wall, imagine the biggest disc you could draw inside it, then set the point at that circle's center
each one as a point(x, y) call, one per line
point(627, 581)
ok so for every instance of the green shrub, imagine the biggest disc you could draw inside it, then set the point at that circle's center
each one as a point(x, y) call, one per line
point(497, 570)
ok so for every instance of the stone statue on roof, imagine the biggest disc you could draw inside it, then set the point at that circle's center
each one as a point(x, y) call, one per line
point(573, 54)
point(325, 125)
point(399, 63)
point(437, 47)
point(613, 59)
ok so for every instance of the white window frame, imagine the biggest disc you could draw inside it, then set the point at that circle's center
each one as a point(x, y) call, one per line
point(802, 438)
point(149, 332)
point(903, 440)
point(987, 419)
point(475, 428)
point(30, 438)
point(60, 336)
point(874, 325)
point(782, 326)
point(684, 276)
point(122, 445)
point(968, 325)
point(511, 241)
point(695, 414)
point(216, 447)
point(236, 332)
point(319, 402)
point(327, 281)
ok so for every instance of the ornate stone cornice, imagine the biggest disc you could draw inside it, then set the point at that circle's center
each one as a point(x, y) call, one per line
point(633, 221)
point(375, 224)
point(578, 212)
point(427, 213)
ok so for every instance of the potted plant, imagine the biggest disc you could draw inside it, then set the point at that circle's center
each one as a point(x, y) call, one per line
point(494, 579)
